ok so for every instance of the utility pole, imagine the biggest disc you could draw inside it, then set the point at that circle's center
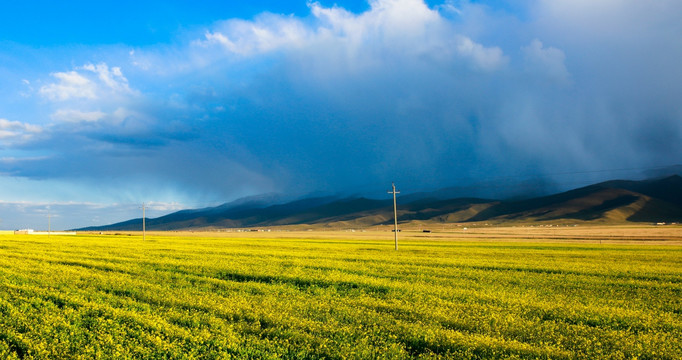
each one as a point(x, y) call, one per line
point(143, 224)
point(395, 215)
point(49, 223)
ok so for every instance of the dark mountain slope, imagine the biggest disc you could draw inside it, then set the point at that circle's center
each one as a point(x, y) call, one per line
point(612, 201)
point(640, 199)
point(668, 189)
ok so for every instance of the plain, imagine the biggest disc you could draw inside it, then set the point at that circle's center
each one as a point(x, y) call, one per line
point(559, 293)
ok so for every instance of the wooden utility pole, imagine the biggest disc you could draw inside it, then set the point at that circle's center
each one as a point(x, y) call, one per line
point(143, 224)
point(395, 215)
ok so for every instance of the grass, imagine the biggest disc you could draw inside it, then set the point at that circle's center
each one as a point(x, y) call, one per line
point(343, 296)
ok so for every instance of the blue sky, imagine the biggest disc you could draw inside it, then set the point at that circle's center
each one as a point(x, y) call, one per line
point(105, 105)
point(134, 23)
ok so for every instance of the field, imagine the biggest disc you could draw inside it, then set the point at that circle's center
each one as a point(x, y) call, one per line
point(520, 293)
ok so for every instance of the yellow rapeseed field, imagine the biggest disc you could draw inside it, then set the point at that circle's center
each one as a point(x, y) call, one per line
point(340, 296)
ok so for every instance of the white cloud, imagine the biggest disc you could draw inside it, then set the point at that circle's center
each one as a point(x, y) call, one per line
point(130, 121)
point(265, 34)
point(13, 132)
point(89, 82)
point(17, 160)
point(95, 94)
point(483, 58)
point(139, 61)
point(76, 116)
point(450, 7)
point(547, 61)
point(70, 85)
point(390, 28)
point(405, 26)
point(111, 77)
point(164, 206)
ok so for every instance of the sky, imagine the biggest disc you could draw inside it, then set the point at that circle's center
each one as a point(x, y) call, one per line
point(182, 104)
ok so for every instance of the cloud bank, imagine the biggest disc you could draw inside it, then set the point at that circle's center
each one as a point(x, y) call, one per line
point(427, 96)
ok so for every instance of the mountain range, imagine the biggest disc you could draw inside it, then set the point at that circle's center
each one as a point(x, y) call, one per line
point(618, 201)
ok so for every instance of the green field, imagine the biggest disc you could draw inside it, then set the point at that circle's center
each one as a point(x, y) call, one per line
point(336, 297)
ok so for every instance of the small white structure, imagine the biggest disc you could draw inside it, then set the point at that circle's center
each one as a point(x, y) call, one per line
point(23, 232)
point(48, 233)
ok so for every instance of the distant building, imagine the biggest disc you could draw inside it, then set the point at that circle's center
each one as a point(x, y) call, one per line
point(33, 232)
point(23, 232)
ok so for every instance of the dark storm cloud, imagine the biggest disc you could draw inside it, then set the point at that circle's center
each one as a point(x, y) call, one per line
point(426, 96)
